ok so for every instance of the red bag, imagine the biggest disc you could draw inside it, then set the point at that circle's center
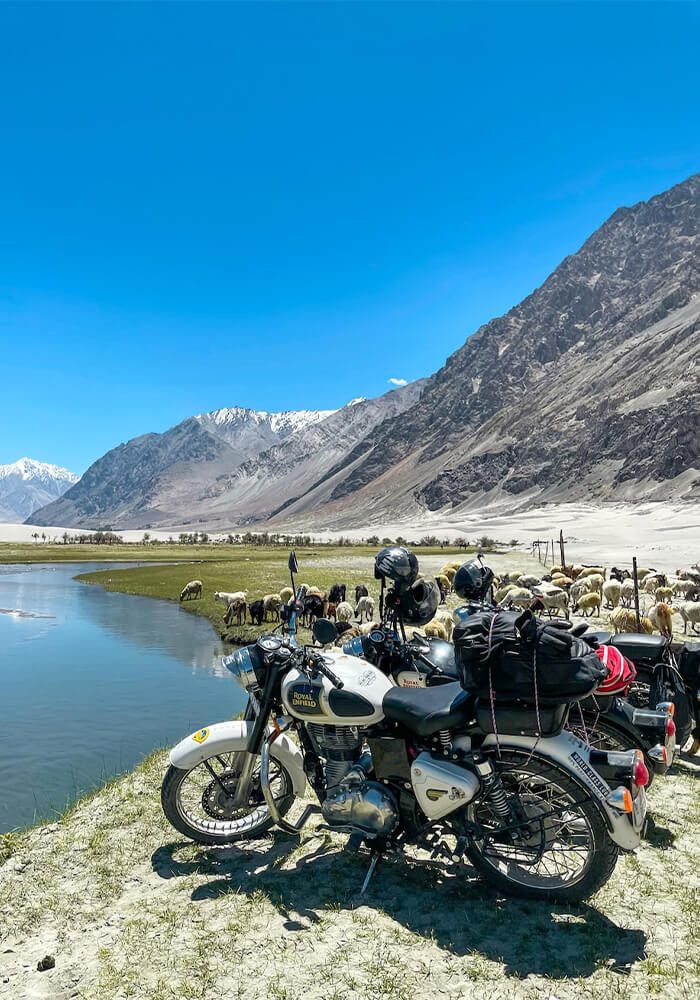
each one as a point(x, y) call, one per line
point(621, 671)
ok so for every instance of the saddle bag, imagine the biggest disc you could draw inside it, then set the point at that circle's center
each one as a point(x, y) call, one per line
point(511, 657)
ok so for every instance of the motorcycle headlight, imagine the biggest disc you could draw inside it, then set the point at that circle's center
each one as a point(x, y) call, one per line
point(242, 667)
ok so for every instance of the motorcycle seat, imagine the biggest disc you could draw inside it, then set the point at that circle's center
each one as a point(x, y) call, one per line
point(427, 710)
point(640, 647)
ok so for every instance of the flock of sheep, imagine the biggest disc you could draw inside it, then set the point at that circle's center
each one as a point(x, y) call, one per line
point(578, 589)
point(585, 589)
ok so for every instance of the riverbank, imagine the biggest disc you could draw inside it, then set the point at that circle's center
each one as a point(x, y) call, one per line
point(260, 570)
point(129, 909)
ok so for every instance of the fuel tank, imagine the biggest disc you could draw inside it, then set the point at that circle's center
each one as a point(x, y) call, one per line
point(358, 703)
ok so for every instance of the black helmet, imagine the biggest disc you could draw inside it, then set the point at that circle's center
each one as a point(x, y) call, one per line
point(398, 564)
point(419, 602)
point(472, 580)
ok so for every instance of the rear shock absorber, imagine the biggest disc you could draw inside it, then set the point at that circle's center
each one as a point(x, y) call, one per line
point(492, 786)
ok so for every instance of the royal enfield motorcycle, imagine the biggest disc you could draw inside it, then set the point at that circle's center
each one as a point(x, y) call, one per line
point(541, 816)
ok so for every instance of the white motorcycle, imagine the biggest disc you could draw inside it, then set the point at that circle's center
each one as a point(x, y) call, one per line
point(540, 816)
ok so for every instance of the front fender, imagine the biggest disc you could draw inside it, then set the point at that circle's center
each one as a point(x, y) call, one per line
point(574, 756)
point(229, 737)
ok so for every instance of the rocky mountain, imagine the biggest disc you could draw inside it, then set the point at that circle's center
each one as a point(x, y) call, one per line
point(219, 469)
point(589, 388)
point(27, 485)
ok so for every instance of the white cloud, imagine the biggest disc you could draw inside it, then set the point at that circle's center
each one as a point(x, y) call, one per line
point(397, 381)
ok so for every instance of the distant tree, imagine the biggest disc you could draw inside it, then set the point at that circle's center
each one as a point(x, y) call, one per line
point(373, 540)
point(182, 538)
point(146, 538)
point(204, 538)
point(43, 536)
point(430, 540)
point(513, 542)
point(387, 541)
point(400, 540)
point(64, 536)
point(35, 536)
point(461, 543)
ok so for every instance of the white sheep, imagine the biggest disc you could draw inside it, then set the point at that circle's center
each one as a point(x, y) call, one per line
point(579, 587)
point(588, 603)
point(227, 598)
point(553, 599)
point(683, 587)
point(528, 580)
point(611, 592)
point(344, 612)
point(627, 593)
point(191, 589)
point(690, 613)
point(365, 606)
point(596, 581)
point(446, 620)
point(521, 597)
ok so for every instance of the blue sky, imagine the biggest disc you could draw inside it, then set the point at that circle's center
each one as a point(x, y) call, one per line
point(286, 205)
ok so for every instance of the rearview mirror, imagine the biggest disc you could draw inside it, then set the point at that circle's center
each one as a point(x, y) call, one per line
point(324, 631)
point(292, 563)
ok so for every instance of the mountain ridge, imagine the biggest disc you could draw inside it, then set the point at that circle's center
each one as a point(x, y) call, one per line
point(27, 485)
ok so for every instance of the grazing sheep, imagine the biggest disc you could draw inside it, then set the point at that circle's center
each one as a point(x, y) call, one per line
point(313, 608)
point(450, 572)
point(623, 620)
point(286, 594)
point(690, 613)
point(579, 587)
point(337, 593)
point(521, 597)
point(512, 576)
point(271, 604)
point(256, 611)
point(619, 574)
point(501, 594)
point(435, 630)
point(528, 580)
point(237, 610)
point(365, 606)
point(331, 610)
point(660, 618)
point(593, 570)
point(191, 590)
point(345, 612)
point(222, 595)
point(611, 592)
point(663, 594)
point(446, 620)
point(652, 581)
point(552, 599)
point(683, 587)
point(316, 592)
point(360, 591)
point(627, 593)
point(596, 581)
point(587, 603)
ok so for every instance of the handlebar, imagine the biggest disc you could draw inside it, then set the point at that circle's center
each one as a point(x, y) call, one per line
point(318, 664)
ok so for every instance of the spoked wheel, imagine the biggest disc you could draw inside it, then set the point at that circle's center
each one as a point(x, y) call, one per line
point(208, 804)
point(557, 848)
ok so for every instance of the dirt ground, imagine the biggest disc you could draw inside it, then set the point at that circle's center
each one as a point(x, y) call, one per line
point(130, 909)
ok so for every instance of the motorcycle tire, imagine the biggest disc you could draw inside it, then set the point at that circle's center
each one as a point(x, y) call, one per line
point(551, 780)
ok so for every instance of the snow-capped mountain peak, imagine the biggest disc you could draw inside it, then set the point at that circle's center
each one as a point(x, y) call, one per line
point(26, 485)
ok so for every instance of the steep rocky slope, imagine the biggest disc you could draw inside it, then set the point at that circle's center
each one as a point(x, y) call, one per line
point(589, 387)
point(219, 469)
point(26, 485)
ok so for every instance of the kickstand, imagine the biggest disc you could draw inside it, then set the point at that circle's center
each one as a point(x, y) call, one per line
point(370, 873)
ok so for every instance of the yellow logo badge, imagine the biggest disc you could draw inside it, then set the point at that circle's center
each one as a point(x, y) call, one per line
point(201, 736)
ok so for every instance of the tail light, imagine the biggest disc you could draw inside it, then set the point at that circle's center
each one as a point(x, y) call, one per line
point(670, 727)
point(640, 774)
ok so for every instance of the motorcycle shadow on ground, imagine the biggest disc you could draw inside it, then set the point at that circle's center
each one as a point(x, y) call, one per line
point(454, 909)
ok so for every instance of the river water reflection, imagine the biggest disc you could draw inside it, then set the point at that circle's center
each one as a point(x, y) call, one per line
point(91, 681)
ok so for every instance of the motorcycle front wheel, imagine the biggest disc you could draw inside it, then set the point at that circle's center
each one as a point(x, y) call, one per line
point(557, 849)
point(207, 804)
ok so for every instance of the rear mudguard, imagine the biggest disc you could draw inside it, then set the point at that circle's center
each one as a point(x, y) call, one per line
point(574, 756)
point(228, 737)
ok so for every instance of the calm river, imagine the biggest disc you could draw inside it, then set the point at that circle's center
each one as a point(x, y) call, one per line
point(91, 681)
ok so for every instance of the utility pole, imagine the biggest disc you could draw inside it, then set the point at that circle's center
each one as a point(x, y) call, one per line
point(636, 592)
point(561, 551)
